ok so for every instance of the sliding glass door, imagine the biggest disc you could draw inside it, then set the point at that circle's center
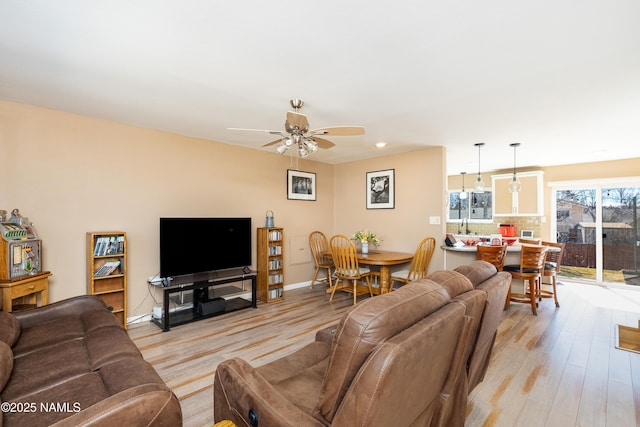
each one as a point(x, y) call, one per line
point(620, 235)
point(575, 219)
point(599, 225)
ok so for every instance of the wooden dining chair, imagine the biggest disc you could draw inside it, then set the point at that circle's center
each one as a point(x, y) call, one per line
point(347, 270)
point(492, 254)
point(532, 241)
point(529, 271)
point(419, 267)
point(551, 269)
point(319, 249)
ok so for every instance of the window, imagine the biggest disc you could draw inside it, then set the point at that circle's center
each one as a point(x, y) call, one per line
point(458, 208)
point(476, 206)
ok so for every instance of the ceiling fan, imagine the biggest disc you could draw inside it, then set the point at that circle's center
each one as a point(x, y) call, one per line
point(297, 134)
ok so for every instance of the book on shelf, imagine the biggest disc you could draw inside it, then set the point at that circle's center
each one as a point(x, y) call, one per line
point(98, 246)
point(275, 293)
point(275, 250)
point(275, 235)
point(106, 269)
point(109, 245)
point(275, 278)
point(275, 264)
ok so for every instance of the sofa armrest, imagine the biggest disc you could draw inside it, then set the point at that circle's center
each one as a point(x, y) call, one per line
point(148, 405)
point(60, 309)
point(327, 334)
point(238, 390)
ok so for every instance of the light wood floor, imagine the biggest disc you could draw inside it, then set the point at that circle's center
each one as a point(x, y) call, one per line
point(560, 368)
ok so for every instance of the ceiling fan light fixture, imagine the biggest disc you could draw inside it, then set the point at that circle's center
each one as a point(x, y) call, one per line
point(282, 148)
point(479, 185)
point(302, 150)
point(312, 146)
point(514, 185)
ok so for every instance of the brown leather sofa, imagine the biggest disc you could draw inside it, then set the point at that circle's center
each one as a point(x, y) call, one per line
point(401, 359)
point(484, 277)
point(483, 291)
point(71, 363)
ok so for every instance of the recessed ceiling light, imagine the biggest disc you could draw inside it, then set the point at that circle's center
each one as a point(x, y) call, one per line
point(381, 144)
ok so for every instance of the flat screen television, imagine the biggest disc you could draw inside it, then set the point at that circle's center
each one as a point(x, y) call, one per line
point(198, 245)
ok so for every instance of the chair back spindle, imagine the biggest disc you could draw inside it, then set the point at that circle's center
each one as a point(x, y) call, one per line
point(345, 258)
point(492, 254)
point(421, 259)
point(419, 267)
point(319, 249)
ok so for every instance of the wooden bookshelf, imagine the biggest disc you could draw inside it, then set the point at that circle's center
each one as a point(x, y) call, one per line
point(270, 253)
point(107, 270)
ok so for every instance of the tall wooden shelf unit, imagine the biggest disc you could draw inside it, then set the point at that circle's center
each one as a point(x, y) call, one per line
point(270, 252)
point(107, 270)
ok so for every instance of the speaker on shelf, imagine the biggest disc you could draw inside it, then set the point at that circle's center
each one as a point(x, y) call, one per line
point(216, 305)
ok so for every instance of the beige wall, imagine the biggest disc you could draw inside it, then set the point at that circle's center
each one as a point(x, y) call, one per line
point(71, 174)
point(419, 185)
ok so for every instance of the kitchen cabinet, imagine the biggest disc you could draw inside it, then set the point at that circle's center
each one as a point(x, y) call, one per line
point(527, 202)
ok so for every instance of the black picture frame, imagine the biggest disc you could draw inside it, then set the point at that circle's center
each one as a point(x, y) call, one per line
point(301, 185)
point(381, 192)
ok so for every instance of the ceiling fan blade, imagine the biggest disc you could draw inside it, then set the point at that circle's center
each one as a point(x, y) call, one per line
point(339, 131)
point(323, 143)
point(297, 119)
point(272, 132)
point(274, 142)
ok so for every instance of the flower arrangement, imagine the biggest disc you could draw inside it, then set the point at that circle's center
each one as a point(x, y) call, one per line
point(365, 235)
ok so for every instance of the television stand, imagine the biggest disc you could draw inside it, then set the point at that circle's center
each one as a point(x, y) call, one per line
point(195, 297)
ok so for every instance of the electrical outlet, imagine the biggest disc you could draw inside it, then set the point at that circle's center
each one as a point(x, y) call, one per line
point(434, 220)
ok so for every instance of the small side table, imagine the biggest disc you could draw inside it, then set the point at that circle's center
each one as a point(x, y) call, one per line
point(29, 287)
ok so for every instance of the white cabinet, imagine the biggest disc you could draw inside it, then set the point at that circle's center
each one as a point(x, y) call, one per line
point(527, 202)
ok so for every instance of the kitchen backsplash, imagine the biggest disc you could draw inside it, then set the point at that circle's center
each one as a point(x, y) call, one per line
point(521, 222)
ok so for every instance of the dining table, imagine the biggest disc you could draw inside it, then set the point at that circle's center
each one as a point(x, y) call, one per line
point(384, 260)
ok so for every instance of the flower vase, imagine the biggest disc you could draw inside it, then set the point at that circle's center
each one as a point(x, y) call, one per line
point(365, 247)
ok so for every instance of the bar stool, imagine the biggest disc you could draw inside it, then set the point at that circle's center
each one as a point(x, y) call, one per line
point(551, 269)
point(492, 254)
point(529, 270)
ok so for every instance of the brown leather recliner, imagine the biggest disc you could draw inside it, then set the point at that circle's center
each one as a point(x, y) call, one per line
point(484, 277)
point(451, 410)
point(386, 365)
point(482, 290)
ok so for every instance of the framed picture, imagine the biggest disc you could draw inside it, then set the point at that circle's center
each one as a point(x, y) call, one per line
point(301, 185)
point(381, 189)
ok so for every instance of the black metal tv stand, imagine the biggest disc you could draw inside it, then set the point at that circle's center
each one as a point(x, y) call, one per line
point(196, 297)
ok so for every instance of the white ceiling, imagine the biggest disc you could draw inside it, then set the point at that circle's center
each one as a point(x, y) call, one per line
point(561, 77)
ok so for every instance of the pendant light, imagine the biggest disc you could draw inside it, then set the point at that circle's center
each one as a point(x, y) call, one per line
point(514, 185)
point(463, 194)
point(479, 186)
